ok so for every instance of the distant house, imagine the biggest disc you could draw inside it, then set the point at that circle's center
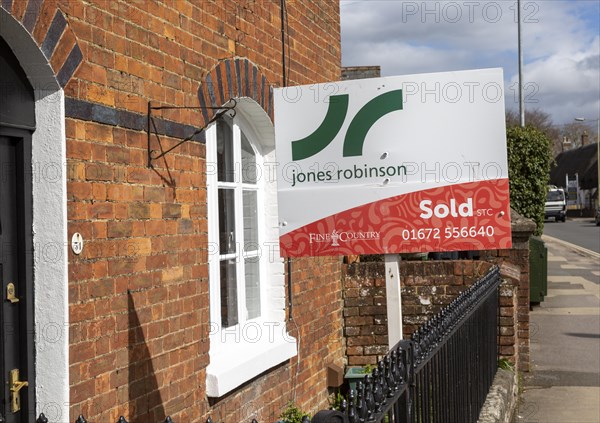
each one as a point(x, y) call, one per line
point(582, 161)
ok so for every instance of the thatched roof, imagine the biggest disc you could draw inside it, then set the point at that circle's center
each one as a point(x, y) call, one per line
point(583, 161)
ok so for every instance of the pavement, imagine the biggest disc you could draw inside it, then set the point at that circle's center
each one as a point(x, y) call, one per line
point(563, 385)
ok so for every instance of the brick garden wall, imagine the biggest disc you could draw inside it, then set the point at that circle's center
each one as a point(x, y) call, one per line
point(138, 293)
point(365, 320)
point(517, 271)
point(428, 286)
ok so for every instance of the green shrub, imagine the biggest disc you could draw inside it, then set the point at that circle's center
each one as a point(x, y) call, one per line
point(336, 401)
point(529, 159)
point(368, 368)
point(292, 414)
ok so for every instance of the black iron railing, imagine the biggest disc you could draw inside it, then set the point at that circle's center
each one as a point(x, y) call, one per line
point(43, 419)
point(441, 375)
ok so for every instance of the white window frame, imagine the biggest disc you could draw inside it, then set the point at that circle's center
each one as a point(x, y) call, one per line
point(249, 348)
point(238, 187)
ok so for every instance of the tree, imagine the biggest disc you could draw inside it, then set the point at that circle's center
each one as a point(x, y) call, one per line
point(562, 137)
point(529, 159)
point(536, 118)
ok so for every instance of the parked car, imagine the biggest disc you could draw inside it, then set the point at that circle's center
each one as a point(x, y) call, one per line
point(556, 204)
point(597, 217)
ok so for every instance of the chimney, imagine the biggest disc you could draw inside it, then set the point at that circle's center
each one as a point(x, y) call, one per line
point(585, 138)
point(360, 72)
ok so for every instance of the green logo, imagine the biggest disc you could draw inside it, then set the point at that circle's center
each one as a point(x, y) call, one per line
point(357, 131)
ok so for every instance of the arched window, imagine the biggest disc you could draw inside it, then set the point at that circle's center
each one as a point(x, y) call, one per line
point(236, 238)
point(247, 299)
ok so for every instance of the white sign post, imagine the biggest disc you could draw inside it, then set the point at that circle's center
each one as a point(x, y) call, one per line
point(393, 298)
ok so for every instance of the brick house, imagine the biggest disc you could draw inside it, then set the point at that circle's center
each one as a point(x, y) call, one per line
point(178, 303)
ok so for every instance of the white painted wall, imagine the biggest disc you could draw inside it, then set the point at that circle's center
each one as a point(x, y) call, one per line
point(50, 273)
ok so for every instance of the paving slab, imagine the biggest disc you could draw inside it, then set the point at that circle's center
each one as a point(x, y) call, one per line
point(560, 404)
point(563, 385)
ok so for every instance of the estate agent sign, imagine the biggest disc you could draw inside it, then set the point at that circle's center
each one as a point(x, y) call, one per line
point(389, 165)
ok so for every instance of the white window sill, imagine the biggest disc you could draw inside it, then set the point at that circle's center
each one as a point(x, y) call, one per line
point(236, 361)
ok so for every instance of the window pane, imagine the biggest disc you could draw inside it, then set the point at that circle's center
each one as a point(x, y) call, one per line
point(250, 221)
point(248, 162)
point(225, 167)
point(226, 221)
point(252, 287)
point(229, 314)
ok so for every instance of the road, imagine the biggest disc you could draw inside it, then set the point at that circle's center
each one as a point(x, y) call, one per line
point(579, 231)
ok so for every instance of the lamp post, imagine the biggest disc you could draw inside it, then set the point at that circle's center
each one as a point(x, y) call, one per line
point(520, 49)
point(580, 119)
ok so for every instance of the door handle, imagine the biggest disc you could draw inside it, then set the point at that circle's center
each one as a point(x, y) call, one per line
point(15, 386)
point(10, 293)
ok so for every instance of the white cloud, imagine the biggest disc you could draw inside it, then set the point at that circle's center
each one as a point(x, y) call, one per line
point(567, 84)
point(560, 44)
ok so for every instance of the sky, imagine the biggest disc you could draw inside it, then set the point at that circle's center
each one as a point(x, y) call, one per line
point(560, 41)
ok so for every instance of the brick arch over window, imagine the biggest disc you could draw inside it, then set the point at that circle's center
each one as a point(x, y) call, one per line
point(49, 28)
point(234, 78)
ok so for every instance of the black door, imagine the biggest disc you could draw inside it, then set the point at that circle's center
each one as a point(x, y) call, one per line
point(17, 122)
point(15, 282)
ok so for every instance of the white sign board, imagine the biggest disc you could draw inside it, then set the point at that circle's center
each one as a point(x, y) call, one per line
point(388, 165)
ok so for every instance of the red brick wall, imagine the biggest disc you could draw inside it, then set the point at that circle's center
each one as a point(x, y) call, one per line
point(430, 286)
point(427, 286)
point(365, 312)
point(318, 326)
point(138, 293)
point(507, 340)
point(518, 258)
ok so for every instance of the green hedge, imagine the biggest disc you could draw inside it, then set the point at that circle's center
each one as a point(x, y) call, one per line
point(529, 160)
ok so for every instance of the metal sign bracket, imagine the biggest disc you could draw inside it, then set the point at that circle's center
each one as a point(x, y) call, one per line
point(153, 130)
